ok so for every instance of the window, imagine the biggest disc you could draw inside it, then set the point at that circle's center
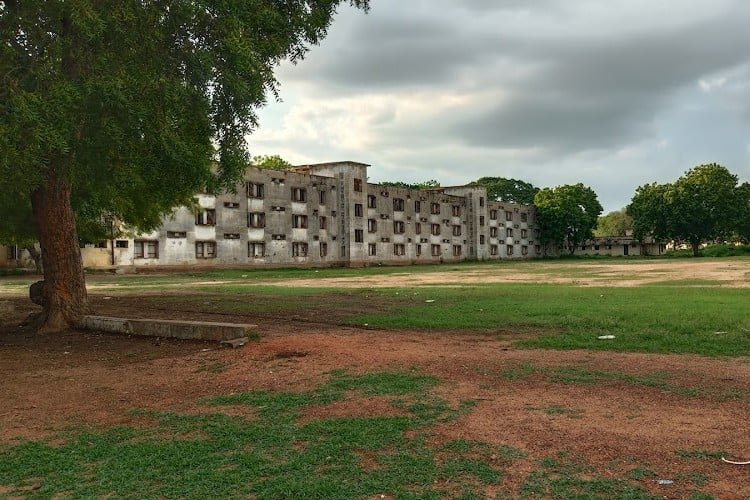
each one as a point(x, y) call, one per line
point(456, 250)
point(176, 234)
point(399, 249)
point(434, 208)
point(256, 219)
point(417, 206)
point(418, 228)
point(435, 229)
point(299, 194)
point(524, 217)
point(398, 227)
point(481, 239)
point(524, 250)
point(359, 236)
point(121, 244)
point(146, 249)
point(205, 249)
point(596, 247)
point(323, 223)
point(231, 204)
point(509, 249)
point(299, 249)
point(206, 217)
point(435, 250)
point(508, 215)
point(509, 233)
point(372, 226)
point(323, 249)
point(231, 236)
point(254, 190)
point(101, 244)
point(493, 232)
point(372, 201)
point(419, 250)
point(538, 249)
point(398, 204)
point(372, 249)
point(481, 201)
point(493, 249)
point(12, 252)
point(358, 185)
point(493, 214)
point(322, 197)
point(299, 221)
point(456, 230)
point(456, 210)
point(358, 210)
point(481, 220)
point(524, 233)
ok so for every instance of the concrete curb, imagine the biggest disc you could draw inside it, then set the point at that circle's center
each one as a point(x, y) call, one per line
point(229, 333)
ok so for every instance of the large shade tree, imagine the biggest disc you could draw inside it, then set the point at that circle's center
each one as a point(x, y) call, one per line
point(126, 108)
point(703, 205)
point(567, 215)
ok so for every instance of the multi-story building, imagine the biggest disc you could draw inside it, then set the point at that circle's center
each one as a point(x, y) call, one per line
point(327, 215)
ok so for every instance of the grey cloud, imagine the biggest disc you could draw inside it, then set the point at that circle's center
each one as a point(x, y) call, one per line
point(590, 96)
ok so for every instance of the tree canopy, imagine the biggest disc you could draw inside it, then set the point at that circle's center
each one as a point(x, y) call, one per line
point(703, 205)
point(567, 215)
point(616, 223)
point(125, 107)
point(432, 183)
point(273, 162)
point(513, 190)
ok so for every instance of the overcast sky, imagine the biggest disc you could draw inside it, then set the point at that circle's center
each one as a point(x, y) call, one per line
point(612, 94)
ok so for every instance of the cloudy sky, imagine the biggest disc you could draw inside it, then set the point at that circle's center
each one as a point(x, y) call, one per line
point(612, 94)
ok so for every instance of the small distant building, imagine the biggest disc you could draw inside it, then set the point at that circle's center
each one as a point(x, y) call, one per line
point(621, 246)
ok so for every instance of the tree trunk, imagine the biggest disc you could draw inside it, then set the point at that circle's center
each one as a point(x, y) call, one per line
point(696, 245)
point(36, 256)
point(64, 286)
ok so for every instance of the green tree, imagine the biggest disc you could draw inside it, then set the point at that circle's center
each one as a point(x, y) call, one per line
point(616, 223)
point(703, 205)
point(513, 190)
point(567, 215)
point(742, 227)
point(125, 107)
point(432, 183)
point(649, 211)
point(273, 162)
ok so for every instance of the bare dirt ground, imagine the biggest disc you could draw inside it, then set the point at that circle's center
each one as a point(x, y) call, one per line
point(50, 382)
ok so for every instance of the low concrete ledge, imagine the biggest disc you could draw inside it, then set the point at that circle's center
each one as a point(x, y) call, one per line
point(202, 330)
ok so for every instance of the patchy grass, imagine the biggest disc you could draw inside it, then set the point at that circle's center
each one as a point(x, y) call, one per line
point(273, 453)
point(659, 380)
point(213, 455)
point(642, 319)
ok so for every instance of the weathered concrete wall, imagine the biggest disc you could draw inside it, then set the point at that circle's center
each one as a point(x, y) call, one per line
point(327, 214)
point(169, 328)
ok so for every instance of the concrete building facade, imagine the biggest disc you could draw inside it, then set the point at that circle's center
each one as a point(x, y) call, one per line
point(328, 215)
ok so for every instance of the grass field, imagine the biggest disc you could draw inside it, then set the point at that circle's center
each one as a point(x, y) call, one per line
point(419, 426)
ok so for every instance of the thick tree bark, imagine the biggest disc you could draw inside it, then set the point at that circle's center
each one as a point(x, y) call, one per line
point(696, 246)
point(64, 286)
